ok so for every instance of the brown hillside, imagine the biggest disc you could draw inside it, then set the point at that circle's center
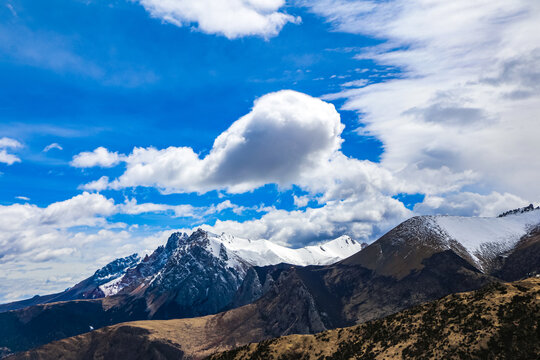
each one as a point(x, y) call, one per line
point(500, 321)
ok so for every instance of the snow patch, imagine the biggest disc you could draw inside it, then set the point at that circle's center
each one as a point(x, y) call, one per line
point(478, 233)
point(264, 252)
point(112, 287)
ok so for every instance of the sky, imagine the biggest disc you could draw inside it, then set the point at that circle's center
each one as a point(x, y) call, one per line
point(294, 121)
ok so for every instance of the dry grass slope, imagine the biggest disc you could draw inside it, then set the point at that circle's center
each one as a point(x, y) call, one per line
point(500, 321)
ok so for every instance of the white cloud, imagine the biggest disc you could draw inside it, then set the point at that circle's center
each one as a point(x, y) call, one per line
point(99, 157)
point(22, 198)
point(97, 185)
point(467, 101)
point(11, 9)
point(28, 230)
point(230, 18)
point(131, 207)
point(356, 83)
point(470, 204)
point(32, 234)
point(7, 143)
point(287, 139)
point(287, 136)
point(301, 201)
point(52, 146)
point(9, 159)
point(361, 218)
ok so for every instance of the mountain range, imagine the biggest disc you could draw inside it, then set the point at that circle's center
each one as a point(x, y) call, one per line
point(258, 290)
point(241, 254)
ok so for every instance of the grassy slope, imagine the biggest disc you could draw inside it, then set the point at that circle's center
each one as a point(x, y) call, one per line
point(500, 321)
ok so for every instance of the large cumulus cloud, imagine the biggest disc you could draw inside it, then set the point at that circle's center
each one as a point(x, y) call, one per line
point(287, 138)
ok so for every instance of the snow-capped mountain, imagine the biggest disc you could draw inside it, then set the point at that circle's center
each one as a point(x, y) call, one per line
point(239, 252)
point(483, 242)
point(196, 264)
point(199, 278)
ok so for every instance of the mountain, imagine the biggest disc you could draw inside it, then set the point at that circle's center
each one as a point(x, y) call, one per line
point(287, 307)
point(485, 243)
point(90, 288)
point(190, 276)
point(200, 274)
point(500, 321)
point(421, 260)
point(131, 271)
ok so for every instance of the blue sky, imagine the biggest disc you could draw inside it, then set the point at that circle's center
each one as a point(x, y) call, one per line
point(398, 108)
point(131, 80)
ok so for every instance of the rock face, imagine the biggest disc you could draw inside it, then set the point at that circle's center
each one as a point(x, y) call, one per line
point(522, 210)
point(199, 278)
point(257, 282)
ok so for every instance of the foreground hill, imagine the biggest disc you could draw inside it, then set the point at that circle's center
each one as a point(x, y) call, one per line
point(500, 321)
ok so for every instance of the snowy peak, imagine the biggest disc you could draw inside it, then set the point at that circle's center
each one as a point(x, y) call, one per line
point(213, 245)
point(223, 251)
point(340, 248)
point(264, 252)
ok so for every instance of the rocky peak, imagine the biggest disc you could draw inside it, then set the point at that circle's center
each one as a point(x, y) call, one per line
point(116, 268)
point(198, 235)
point(174, 241)
point(182, 243)
point(522, 210)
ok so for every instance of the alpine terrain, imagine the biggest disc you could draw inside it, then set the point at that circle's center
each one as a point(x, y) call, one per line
point(422, 259)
